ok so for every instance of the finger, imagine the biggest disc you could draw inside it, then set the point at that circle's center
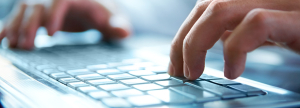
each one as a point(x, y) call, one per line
point(30, 26)
point(55, 15)
point(259, 26)
point(227, 33)
point(201, 37)
point(2, 34)
point(109, 22)
point(13, 27)
point(176, 60)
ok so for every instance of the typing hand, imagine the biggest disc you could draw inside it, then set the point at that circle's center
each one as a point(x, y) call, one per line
point(243, 25)
point(65, 15)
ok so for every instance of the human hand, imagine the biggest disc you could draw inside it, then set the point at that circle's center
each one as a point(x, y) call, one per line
point(65, 15)
point(243, 25)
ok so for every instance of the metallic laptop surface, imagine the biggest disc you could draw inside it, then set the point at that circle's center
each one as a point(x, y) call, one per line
point(131, 74)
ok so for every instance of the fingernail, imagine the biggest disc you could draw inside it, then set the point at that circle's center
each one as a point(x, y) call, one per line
point(171, 69)
point(186, 71)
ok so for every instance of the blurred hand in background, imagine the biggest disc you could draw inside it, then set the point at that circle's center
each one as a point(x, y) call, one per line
point(21, 25)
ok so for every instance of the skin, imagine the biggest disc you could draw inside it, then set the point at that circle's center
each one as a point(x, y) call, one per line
point(60, 15)
point(243, 25)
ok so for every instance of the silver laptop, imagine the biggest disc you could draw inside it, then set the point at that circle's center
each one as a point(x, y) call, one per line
point(131, 74)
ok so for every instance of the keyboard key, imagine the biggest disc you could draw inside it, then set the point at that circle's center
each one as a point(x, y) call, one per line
point(97, 67)
point(116, 102)
point(89, 77)
point(129, 68)
point(208, 77)
point(77, 84)
point(157, 69)
point(133, 81)
point(168, 83)
point(60, 75)
point(156, 77)
point(220, 90)
point(131, 61)
point(127, 93)
point(251, 91)
point(225, 82)
point(79, 72)
point(195, 93)
point(88, 89)
point(145, 87)
point(143, 100)
point(111, 87)
point(169, 96)
point(68, 80)
point(50, 71)
point(144, 64)
point(118, 64)
point(109, 72)
point(43, 67)
point(120, 76)
point(101, 81)
point(66, 68)
point(141, 73)
point(99, 94)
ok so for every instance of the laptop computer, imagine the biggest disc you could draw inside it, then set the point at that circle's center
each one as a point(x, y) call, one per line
point(133, 74)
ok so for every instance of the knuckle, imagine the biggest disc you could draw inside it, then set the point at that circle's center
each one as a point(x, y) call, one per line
point(201, 3)
point(258, 17)
point(218, 6)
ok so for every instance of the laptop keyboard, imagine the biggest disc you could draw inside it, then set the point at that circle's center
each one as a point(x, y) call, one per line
point(129, 82)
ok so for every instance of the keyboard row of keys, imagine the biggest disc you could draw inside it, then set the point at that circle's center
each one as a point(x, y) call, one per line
point(119, 65)
point(101, 81)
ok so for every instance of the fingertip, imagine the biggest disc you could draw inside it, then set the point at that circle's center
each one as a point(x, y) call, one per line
point(193, 74)
point(228, 73)
point(171, 69)
point(194, 65)
point(121, 32)
point(26, 44)
point(12, 42)
point(234, 67)
point(50, 32)
point(52, 28)
point(2, 34)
